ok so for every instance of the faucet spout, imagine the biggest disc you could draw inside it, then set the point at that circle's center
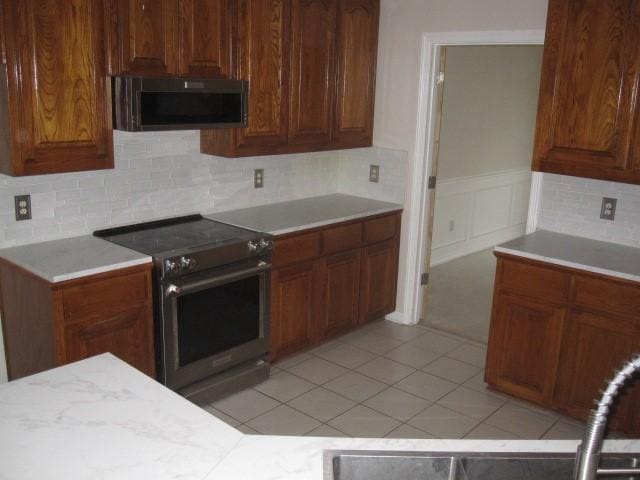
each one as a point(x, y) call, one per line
point(588, 454)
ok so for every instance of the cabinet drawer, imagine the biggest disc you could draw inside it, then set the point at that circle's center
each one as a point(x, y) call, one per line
point(296, 249)
point(343, 238)
point(380, 229)
point(533, 280)
point(607, 295)
point(105, 296)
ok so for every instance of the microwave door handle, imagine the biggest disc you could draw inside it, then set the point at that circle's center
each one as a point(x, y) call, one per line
point(176, 290)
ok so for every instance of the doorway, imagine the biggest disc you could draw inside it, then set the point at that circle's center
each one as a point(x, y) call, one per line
point(486, 103)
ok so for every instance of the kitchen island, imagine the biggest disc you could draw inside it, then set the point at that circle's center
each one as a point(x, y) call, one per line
point(102, 419)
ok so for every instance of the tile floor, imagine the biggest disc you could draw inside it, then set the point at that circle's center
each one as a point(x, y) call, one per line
point(388, 380)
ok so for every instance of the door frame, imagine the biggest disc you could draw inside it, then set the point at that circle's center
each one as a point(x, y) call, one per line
point(417, 195)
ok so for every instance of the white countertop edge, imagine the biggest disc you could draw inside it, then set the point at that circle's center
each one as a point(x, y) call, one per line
point(89, 271)
point(565, 263)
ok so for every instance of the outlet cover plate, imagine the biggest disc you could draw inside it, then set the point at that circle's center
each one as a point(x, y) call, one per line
point(608, 210)
point(23, 207)
point(374, 173)
point(258, 178)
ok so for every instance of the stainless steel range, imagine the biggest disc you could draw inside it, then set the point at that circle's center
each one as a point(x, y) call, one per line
point(211, 295)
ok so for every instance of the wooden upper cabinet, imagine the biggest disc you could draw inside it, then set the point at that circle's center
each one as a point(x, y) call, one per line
point(588, 108)
point(204, 38)
point(58, 103)
point(312, 71)
point(357, 46)
point(143, 37)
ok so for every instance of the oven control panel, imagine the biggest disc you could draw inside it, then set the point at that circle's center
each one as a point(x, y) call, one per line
point(259, 246)
point(181, 265)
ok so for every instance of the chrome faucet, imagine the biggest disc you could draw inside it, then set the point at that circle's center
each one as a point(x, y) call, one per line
point(588, 454)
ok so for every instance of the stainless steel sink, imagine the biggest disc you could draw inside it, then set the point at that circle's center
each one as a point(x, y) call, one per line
point(371, 465)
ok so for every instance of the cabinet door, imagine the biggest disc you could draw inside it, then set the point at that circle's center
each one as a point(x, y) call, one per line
point(587, 106)
point(524, 345)
point(126, 335)
point(357, 48)
point(312, 71)
point(144, 37)
point(204, 38)
point(57, 90)
point(594, 346)
point(292, 308)
point(378, 280)
point(339, 292)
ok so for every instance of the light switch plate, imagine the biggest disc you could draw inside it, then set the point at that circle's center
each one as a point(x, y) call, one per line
point(258, 178)
point(374, 173)
point(23, 207)
point(608, 210)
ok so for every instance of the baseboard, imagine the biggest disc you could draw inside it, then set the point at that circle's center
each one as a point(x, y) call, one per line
point(400, 317)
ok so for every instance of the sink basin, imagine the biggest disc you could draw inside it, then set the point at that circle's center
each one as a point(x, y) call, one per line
point(369, 465)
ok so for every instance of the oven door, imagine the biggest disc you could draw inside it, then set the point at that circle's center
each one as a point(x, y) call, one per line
point(214, 320)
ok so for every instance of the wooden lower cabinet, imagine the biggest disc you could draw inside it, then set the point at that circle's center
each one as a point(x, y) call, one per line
point(326, 281)
point(50, 324)
point(559, 350)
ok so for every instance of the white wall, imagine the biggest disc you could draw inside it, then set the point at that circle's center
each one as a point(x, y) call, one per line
point(402, 23)
point(572, 205)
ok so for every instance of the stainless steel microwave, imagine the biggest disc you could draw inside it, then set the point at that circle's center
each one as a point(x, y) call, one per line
point(147, 104)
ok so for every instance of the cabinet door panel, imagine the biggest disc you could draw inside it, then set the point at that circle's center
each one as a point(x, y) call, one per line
point(292, 308)
point(590, 70)
point(126, 335)
point(378, 280)
point(59, 102)
point(594, 346)
point(524, 346)
point(204, 38)
point(356, 57)
point(312, 71)
point(339, 291)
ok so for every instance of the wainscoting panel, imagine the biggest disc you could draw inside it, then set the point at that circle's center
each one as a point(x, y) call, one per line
point(474, 213)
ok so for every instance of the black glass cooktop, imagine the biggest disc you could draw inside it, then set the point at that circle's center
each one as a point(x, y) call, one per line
point(176, 234)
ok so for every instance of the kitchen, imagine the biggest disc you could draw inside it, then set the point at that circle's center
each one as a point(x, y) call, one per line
point(163, 174)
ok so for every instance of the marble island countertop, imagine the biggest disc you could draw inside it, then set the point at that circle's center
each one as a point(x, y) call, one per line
point(577, 252)
point(295, 215)
point(102, 419)
point(69, 258)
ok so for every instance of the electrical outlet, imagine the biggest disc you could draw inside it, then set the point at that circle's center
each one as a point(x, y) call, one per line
point(374, 173)
point(23, 207)
point(258, 178)
point(608, 210)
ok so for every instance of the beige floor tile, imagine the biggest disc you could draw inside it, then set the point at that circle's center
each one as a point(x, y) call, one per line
point(283, 386)
point(363, 422)
point(355, 386)
point(477, 382)
point(247, 430)
point(426, 386)
point(283, 420)
point(474, 404)
point(468, 353)
point(326, 431)
point(407, 431)
point(451, 369)
point(564, 431)
point(326, 346)
point(385, 370)
point(292, 361)
point(322, 404)
point(412, 356)
point(443, 423)
point(521, 421)
point(397, 404)
point(222, 416)
point(347, 355)
point(245, 405)
point(374, 343)
point(317, 370)
point(397, 331)
point(487, 432)
point(435, 342)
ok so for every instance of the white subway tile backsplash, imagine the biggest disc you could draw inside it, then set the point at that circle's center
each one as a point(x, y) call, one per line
point(571, 205)
point(162, 174)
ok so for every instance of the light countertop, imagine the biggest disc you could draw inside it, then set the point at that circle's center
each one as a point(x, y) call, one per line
point(68, 258)
point(577, 252)
point(102, 419)
point(295, 215)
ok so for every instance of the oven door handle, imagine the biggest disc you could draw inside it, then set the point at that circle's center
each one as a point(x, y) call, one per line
point(174, 290)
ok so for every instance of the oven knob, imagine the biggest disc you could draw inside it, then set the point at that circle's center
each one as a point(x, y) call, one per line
point(188, 263)
point(170, 266)
point(253, 246)
point(265, 244)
